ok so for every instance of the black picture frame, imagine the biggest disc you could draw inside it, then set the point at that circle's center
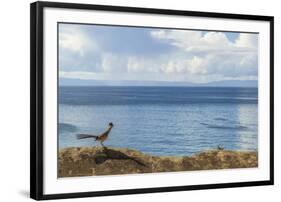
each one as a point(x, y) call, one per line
point(36, 98)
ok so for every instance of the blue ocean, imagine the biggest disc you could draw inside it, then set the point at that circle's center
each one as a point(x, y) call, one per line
point(165, 121)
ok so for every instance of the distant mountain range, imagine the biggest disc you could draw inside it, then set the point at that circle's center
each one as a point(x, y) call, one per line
point(225, 83)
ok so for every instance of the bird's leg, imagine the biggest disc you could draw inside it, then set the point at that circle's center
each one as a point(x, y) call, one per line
point(101, 143)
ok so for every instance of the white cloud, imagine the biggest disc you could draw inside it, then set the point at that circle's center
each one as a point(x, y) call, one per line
point(74, 39)
point(113, 63)
point(249, 41)
point(193, 41)
point(212, 53)
point(197, 57)
point(198, 41)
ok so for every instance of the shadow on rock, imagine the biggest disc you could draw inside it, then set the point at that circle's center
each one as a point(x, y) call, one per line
point(110, 154)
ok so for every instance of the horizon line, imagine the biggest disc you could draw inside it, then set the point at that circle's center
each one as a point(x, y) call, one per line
point(196, 86)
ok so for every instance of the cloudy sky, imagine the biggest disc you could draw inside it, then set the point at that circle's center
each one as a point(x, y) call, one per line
point(128, 53)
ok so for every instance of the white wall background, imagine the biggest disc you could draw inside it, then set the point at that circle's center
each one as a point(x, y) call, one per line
point(14, 102)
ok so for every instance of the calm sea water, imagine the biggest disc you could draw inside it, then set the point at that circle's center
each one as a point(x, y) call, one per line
point(172, 121)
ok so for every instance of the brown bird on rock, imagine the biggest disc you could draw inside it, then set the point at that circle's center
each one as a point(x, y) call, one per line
point(101, 138)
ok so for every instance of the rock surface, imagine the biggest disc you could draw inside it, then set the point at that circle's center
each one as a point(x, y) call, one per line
point(86, 161)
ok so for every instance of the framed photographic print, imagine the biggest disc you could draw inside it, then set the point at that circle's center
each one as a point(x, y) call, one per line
point(131, 100)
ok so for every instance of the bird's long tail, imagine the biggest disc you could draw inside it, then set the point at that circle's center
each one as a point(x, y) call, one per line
point(83, 136)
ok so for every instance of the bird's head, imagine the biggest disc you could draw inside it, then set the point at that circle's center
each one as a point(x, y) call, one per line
point(111, 124)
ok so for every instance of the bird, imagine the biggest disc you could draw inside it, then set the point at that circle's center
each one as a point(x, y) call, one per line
point(101, 138)
point(219, 147)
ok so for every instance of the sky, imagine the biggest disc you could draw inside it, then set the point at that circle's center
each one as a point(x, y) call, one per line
point(96, 52)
